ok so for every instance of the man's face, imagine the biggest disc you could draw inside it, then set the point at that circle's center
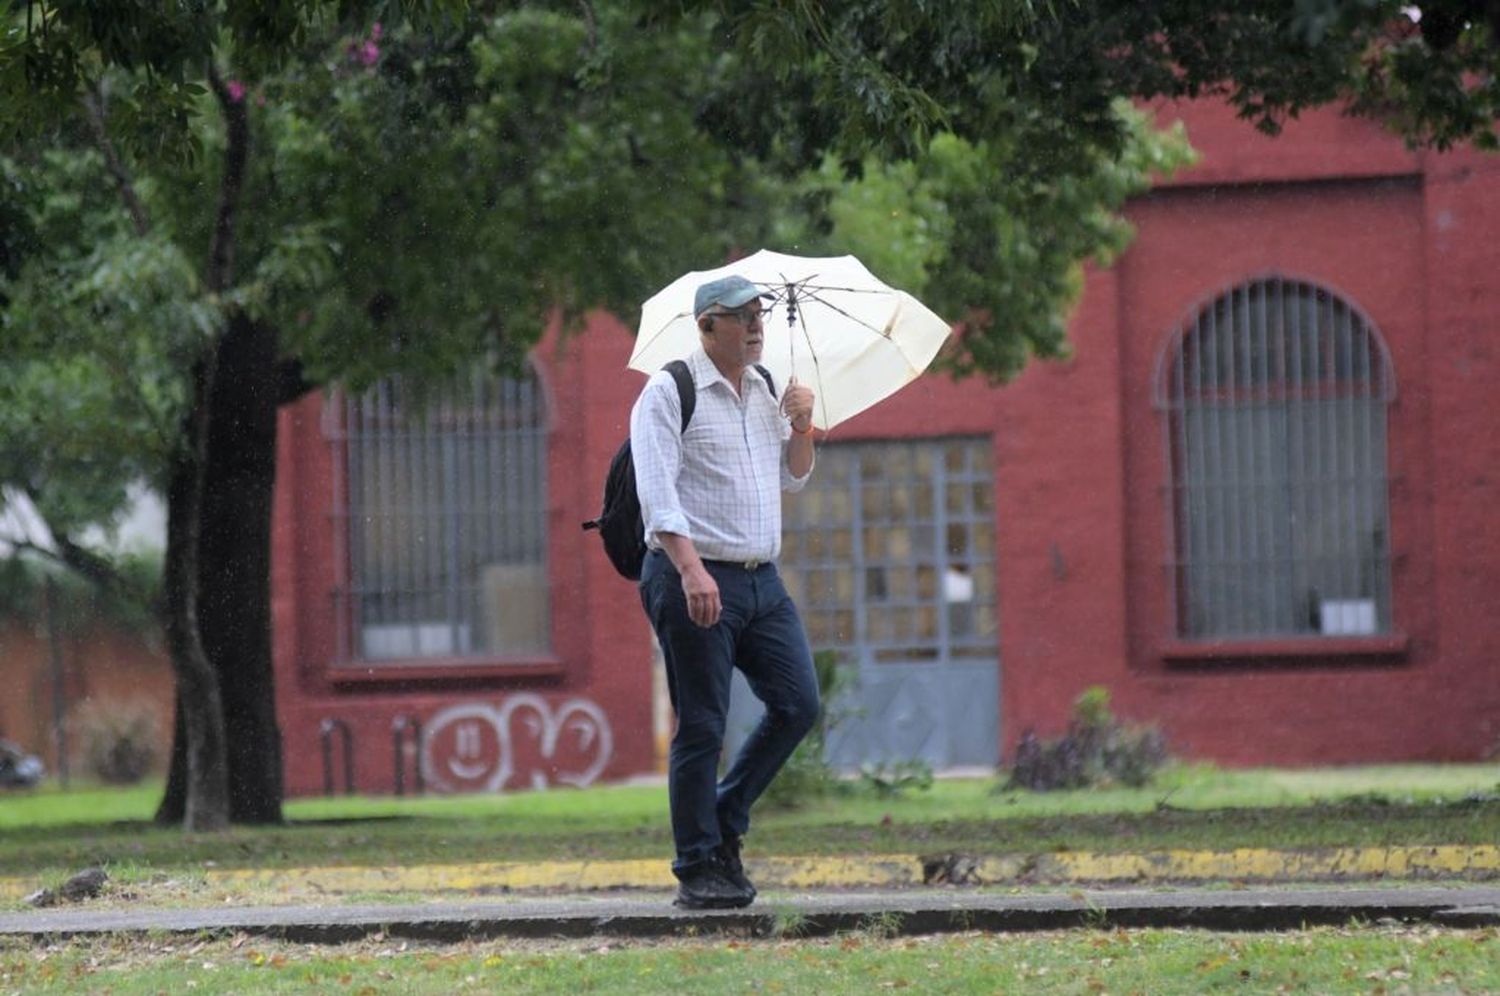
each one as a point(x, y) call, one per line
point(736, 336)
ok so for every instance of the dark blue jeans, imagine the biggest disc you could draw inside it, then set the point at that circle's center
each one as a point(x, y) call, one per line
point(760, 632)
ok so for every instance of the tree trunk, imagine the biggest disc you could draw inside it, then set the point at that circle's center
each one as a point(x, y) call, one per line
point(173, 803)
point(201, 788)
point(234, 610)
point(235, 571)
point(200, 712)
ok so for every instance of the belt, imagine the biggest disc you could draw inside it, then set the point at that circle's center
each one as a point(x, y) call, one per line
point(743, 565)
point(657, 551)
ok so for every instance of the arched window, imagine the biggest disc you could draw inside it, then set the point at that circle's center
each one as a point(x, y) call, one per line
point(441, 506)
point(1276, 396)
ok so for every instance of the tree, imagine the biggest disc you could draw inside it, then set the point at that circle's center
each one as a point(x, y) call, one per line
point(452, 251)
point(93, 401)
point(551, 156)
point(887, 72)
point(519, 188)
point(354, 263)
point(1006, 258)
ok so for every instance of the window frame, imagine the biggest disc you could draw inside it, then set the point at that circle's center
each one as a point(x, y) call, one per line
point(866, 569)
point(1284, 398)
point(517, 405)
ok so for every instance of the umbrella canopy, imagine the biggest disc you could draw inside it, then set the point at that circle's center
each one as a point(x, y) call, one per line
point(829, 323)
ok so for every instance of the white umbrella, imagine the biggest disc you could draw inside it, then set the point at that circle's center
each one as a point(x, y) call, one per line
point(830, 323)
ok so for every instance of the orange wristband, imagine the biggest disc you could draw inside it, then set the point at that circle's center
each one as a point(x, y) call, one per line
point(803, 432)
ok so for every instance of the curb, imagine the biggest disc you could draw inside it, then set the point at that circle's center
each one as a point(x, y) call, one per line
point(806, 916)
point(1248, 865)
point(910, 870)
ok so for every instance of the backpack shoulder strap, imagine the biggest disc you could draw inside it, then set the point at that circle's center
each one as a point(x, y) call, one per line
point(687, 391)
point(770, 381)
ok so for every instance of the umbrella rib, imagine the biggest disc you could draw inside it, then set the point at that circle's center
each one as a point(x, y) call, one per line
point(883, 333)
point(817, 370)
point(804, 286)
point(845, 290)
point(659, 333)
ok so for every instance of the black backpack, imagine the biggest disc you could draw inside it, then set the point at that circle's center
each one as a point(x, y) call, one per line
point(619, 524)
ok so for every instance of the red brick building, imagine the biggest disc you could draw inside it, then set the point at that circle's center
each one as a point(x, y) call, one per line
point(1257, 505)
point(99, 671)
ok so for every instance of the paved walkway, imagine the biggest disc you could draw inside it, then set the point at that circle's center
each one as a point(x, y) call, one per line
point(802, 914)
point(808, 896)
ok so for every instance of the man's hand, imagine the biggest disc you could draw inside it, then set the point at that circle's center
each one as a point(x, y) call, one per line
point(698, 586)
point(702, 593)
point(797, 405)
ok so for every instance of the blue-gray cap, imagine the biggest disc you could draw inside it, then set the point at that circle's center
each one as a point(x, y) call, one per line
point(727, 292)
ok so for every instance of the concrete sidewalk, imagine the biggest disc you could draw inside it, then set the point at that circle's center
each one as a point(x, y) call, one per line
point(791, 914)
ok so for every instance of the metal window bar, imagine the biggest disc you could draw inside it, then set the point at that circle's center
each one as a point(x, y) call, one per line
point(861, 607)
point(440, 520)
point(327, 728)
point(1276, 396)
point(406, 751)
point(870, 476)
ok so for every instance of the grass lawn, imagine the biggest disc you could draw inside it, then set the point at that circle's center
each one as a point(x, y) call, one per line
point(51, 833)
point(1357, 959)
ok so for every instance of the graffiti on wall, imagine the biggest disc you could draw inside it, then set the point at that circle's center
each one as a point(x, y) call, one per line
point(523, 741)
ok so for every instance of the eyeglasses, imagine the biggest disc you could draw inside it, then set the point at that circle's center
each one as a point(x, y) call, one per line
point(745, 316)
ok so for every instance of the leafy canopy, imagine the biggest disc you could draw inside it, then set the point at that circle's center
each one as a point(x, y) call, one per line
point(424, 196)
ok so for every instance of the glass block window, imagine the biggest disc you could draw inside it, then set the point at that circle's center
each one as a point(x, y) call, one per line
point(1276, 397)
point(441, 520)
point(890, 550)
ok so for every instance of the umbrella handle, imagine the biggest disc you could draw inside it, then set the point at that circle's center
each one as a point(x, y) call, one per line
point(791, 324)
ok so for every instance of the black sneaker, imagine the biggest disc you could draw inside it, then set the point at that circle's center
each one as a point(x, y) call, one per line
point(709, 887)
point(734, 868)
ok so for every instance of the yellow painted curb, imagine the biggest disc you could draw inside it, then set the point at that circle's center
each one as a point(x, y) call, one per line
point(484, 876)
point(891, 870)
point(1266, 864)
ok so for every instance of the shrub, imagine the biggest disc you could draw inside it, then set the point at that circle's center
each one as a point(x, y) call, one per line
point(1096, 751)
point(807, 775)
point(120, 739)
point(890, 780)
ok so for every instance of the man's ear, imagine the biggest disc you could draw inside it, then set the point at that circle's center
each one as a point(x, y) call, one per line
point(706, 324)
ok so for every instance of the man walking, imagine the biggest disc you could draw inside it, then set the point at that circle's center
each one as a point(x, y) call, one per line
point(711, 503)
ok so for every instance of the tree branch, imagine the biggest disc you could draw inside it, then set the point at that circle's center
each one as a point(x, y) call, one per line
point(93, 568)
point(93, 107)
point(236, 155)
point(590, 23)
point(30, 546)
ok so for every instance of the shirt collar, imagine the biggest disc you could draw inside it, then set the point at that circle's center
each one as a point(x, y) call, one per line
point(705, 373)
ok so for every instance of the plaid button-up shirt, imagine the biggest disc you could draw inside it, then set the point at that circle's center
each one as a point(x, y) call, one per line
point(719, 483)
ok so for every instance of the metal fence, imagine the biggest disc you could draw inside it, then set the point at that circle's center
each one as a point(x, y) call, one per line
point(440, 520)
point(1276, 397)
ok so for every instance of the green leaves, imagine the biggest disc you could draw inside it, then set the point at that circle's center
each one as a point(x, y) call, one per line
point(985, 239)
point(422, 197)
point(98, 325)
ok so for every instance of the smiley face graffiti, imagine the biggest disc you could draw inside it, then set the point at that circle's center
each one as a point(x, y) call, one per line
point(521, 742)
